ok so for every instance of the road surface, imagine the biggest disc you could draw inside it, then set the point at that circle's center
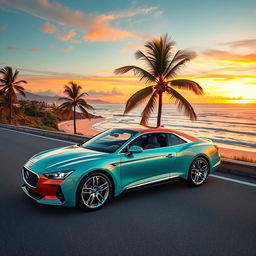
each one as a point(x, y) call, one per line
point(218, 218)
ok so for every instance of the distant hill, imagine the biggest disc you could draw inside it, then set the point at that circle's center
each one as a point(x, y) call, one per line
point(51, 99)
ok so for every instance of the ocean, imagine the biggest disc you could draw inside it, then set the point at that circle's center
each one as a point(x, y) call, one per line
point(230, 124)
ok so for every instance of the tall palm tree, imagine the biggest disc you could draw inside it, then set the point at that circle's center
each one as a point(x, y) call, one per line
point(162, 66)
point(74, 100)
point(10, 85)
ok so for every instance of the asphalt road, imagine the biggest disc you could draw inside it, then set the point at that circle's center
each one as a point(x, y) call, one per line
point(218, 218)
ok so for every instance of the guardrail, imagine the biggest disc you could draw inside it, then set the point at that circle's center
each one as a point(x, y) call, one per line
point(52, 134)
point(240, 168)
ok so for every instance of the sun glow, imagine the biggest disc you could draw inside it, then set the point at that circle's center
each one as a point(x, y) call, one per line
point(244, 101)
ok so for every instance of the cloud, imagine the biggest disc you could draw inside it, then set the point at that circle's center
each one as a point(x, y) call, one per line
point(249, 43)
point(2, 28)
point(35, 49)
point(12, 47)
point(230, 56)
point(114, 92)
point(67, 49)
point(95, 27)
point(48, 28)
point(68, 36)
point(46, 93)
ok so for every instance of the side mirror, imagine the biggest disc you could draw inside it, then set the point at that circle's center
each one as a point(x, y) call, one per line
point(134, 149)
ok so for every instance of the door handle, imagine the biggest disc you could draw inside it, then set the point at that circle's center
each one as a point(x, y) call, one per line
point(170, 155)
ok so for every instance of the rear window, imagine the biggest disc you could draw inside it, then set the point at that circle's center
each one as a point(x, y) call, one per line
point(174, 140)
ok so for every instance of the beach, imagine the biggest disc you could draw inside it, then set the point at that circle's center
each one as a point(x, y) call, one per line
point(84, 126)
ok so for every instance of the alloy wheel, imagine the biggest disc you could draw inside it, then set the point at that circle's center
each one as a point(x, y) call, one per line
point(95, 191)
point(199, 171)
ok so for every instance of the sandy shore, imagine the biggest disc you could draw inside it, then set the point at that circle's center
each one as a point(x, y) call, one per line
point(84, 126)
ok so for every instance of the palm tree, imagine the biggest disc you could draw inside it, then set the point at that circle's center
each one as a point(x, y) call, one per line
point(74, 100)
point(10, 86)
point(162, 66)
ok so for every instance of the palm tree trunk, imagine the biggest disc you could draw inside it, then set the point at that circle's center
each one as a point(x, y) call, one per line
point(74, 118)
point(10, 108)
point(159, 114)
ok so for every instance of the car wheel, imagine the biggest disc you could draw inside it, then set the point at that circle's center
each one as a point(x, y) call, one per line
point(94, 191)
point(198, 172)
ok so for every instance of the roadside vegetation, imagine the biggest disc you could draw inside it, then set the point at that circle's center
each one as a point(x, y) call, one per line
point(39, 114)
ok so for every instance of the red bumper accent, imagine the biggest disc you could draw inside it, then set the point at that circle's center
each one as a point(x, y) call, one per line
point(47, 187)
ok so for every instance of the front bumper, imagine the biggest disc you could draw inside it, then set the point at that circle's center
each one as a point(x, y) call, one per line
point(47, 191)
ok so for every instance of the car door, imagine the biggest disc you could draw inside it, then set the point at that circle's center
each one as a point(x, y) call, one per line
point(151, 165)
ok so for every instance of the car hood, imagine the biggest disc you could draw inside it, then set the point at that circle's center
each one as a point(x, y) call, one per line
point(65, 157)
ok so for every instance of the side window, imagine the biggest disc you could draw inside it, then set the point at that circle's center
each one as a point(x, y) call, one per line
point(174, 140)
point(150, 141)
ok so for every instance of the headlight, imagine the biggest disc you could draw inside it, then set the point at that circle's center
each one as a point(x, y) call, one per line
point(58, 175)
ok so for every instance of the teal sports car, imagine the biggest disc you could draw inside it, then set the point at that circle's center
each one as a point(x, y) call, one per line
point(117, 160)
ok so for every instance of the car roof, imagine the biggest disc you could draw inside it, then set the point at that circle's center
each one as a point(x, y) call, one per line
point(146, 130)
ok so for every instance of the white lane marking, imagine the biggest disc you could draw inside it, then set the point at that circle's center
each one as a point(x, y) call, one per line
point(233, 180)
point(39, 136)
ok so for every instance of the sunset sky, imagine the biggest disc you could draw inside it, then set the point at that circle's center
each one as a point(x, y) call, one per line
point(53, 42)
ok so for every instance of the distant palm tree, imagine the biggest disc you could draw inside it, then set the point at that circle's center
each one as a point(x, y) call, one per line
point(10, 85)
point(162, 66)
point(74, 100)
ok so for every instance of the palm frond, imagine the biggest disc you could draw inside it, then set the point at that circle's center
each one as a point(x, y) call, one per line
point(182, 103)
point(149, 60)
point(179, 55)
point(85, 112)
point(186, 84)
point(82, 95)
point(149, 109)
point(83, 103)
point(137, 98)
point(65, 98)
point(173, 70)
point(160, 52)
point(21, 91)
point(20, 81)
point(66, 109)
point(143, 74)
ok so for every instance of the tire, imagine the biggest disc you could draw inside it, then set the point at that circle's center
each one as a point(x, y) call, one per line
point(198, 172)
point(94, 191)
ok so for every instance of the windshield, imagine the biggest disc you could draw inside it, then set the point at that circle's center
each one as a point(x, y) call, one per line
point(110, 140)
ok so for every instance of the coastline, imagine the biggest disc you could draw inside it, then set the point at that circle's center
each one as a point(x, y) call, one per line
point(84, 126)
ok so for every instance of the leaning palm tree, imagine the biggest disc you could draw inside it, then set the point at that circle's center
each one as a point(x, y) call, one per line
point(74, 100)
point(10, 85)
point(162, 66)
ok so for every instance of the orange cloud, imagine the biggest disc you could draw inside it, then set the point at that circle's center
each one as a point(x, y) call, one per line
point(248, 43)
point(68, 36)
point(230, 56)
point(94, 27)
point(48, 28)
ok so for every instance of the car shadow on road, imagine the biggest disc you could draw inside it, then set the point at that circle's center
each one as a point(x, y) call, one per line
point(142, 194)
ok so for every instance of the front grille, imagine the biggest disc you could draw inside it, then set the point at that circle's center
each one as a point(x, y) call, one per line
point(30, 177)
point(34, 194)
point(59, 194)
